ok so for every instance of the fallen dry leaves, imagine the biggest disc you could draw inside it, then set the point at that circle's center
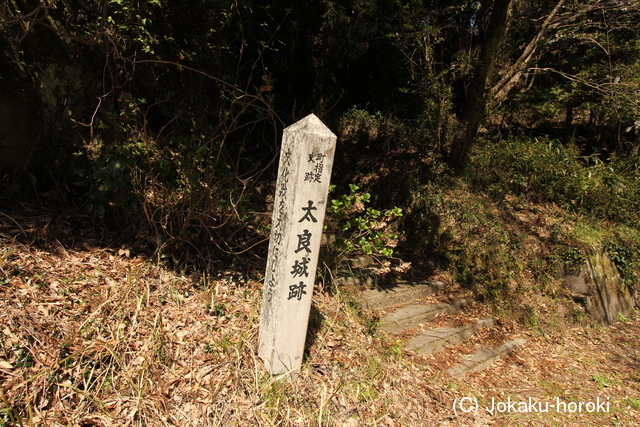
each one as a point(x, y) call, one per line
point(93, 338)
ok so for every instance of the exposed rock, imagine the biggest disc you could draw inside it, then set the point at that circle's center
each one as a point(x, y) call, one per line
point(410, 316)
point(598, 286)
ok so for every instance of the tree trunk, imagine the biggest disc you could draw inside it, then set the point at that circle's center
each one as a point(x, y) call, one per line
point(513, 73)
point(476, 101)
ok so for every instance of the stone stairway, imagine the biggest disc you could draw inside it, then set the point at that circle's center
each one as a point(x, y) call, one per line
point(407, 307)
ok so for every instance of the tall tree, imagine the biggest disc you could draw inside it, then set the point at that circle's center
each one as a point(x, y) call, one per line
point(476, 101)
point(512, 73)
point(576, 75)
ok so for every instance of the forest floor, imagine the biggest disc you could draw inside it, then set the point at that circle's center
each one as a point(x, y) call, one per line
point(93, 336)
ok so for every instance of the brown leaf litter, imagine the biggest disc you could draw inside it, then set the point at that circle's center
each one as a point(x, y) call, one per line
point(92, 338)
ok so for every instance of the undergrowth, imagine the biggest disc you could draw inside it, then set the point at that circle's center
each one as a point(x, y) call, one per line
point(525, 213)
point(547, 170)
point(104, 340)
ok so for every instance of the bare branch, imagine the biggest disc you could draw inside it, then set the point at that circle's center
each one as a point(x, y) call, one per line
point(31, 16)
point(608, 89)
point(554, 21)
point(513, 74)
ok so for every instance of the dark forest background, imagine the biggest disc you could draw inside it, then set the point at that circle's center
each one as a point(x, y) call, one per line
point(160, 121)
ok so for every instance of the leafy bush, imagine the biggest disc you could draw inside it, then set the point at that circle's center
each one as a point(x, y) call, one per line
point(363, 229)
point(374, 131)
point(546, 170)
point(624, 250)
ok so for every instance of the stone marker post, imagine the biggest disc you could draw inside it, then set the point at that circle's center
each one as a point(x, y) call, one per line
point(302, 188)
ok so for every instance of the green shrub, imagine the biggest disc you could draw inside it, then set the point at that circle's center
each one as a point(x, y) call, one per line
point(547, 170)
point(623, 248)
point(363, 229)
point(360, 129)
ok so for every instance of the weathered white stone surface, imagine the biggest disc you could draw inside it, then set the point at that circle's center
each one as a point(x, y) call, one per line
point(302, 188)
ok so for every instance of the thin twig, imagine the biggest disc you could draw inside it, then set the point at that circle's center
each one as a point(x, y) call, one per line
point(209, 76)
point(31, 15)
point(16, 223)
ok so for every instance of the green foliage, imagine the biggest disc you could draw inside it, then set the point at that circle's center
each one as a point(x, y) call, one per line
point(542, 171)
point(105, 180)
point(363, 229)
point(634, 403)
point(361, 129)
point(623, 248)
point(437, 121)
point(573, 258)
point(23, 355)
point(545, 169)
point(167, 115)
point(174, 109)
point(359, 125)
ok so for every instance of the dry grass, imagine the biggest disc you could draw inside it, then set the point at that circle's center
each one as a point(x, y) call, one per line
point(93, 338)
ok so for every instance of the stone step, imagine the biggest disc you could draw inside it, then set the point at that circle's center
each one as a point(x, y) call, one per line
point(411, 316)
point(390, 295)
point(484, 357)
point(361, 277)
point(434, 340)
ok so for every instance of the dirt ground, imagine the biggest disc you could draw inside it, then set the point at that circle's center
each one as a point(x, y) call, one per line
point(95, 337)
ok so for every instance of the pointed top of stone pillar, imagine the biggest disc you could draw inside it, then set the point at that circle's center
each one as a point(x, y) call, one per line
point(311, 125)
